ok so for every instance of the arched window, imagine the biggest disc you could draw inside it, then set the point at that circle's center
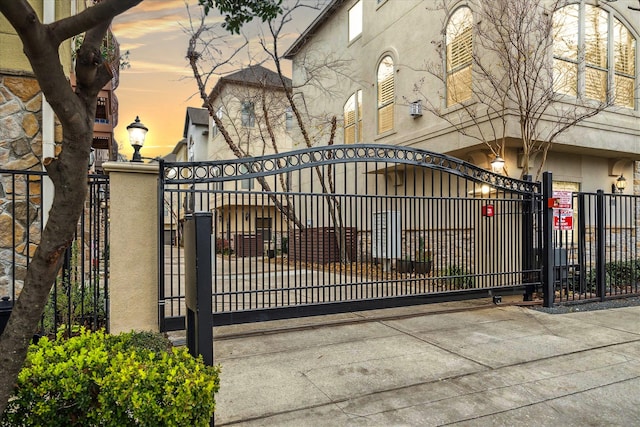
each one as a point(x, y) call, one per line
point(353, 118)
point(386, 94)
point(459, 56)
point(606, 72)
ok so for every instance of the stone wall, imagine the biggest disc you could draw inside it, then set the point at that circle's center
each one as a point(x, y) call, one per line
point(20, 149)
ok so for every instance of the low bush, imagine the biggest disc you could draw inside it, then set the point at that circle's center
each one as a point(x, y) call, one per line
point(458, 278)
point(95, 379)
point(617, 274)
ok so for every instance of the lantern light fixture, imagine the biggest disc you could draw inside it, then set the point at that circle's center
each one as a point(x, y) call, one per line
point(137, 134)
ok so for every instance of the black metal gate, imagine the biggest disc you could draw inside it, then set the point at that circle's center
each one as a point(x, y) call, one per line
point(352, 227)
point(79, 296)
point(596, 248)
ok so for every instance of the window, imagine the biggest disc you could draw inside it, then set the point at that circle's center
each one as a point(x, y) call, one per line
point(606, 72)
point(386, 95)
point(214, 130)
point(288, 118)
point(102, 112)
point(459, 56)
point(263, 228)
point(353, 118)
point(245, 184)
point(624, 65)
point(248, 114)
point(355, 20)
point(191, 150)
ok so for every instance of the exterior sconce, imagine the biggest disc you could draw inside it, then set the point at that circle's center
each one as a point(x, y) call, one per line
point(246, 216)
point(619, 185)
point(137, 133)
point(415, 109)
point(497, 164)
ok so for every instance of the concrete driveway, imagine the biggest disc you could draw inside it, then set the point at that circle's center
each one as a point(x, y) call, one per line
point(464, 363)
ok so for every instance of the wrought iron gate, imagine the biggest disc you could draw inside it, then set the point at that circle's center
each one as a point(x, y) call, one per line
point(352, 227)
point(80, 295)
point(596, 253)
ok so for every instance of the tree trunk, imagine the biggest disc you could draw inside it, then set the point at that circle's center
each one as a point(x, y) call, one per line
point(68, 172)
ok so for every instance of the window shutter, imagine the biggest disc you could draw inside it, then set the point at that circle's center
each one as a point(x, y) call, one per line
point(385, 118)
point(459, 86)
point(459, 51)
point(459, 56)
point(386, 95)
point(595, 84)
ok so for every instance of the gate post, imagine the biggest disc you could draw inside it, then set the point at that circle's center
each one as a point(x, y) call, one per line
point(198, 284)
point(133, 250)
point(601, 281)
point(548, 260)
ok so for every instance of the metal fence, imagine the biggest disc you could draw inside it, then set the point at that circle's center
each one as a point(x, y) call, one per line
point(80, 295)
point(347, 228)
point(597, 257)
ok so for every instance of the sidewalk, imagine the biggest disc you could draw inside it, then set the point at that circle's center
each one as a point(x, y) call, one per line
point(464, 363)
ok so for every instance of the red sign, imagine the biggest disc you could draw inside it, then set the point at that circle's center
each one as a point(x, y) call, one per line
point(563, 219)
point(487, 210)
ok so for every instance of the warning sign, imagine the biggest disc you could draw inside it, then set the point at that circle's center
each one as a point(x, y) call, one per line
point(563, 199)
point(563, 219)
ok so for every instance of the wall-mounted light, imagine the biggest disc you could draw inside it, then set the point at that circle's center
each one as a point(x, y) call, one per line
point(246, 216)
point(415, 109)
point(619, 185)
point(497, 164)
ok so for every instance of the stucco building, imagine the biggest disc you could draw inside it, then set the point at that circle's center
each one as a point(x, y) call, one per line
point(415, 78)
point(252, 106)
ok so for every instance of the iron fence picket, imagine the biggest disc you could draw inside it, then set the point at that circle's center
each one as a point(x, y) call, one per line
point(333, 263)
point(80, 294)
point(601, 260)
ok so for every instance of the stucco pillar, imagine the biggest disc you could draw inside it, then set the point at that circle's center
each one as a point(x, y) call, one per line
point(133, 246)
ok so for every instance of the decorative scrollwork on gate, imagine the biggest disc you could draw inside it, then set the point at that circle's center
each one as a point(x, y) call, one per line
point(253, 167)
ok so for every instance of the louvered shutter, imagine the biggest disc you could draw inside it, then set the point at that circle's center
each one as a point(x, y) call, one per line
point(349, 120)
point(459, 60)
point(386, 95)
point(625, 65)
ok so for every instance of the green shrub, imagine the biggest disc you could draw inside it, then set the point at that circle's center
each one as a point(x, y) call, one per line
point(616, 273)
point(457, 277)
point(96, 379)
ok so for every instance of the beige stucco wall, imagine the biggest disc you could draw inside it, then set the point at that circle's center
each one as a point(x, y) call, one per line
point(12, 57)
point(410, 31)
point(133, 237)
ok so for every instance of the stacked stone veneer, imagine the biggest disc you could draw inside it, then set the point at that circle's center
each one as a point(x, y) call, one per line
point(20, 198)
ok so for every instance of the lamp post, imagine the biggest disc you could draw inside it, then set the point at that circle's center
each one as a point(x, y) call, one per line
point(137, 133)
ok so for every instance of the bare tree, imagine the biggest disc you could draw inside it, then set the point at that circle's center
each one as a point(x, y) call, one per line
point(68, 172)
point(200, 48)
point(505, 74)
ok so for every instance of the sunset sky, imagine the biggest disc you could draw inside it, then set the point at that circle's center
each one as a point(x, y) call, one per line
point(159, 86)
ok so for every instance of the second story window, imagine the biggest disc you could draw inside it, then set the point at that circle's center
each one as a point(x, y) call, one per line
point(102, 112)
point(245, 184)
point(248, 114)
point(353, 119)
point(355, 20)
point(214, 127)
point(459, 41)
point(606, 71)
point(288, 118)
point(386, 94)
